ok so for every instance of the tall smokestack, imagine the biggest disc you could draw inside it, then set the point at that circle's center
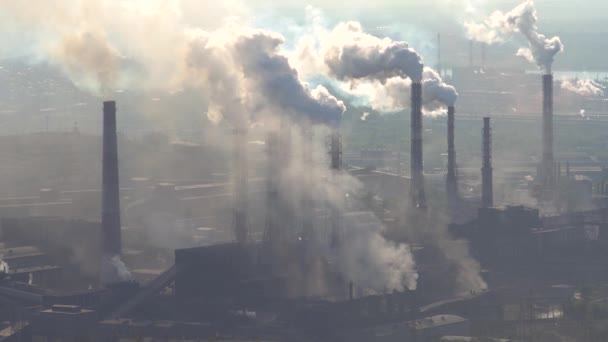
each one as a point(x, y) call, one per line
point(335, 154)
point(335, 151)
point(110, 213)
point(272, 232)
point(483, 55)
point(471, 53)
point(547, 164)
point(439, 53)
point(417, 177)
point(241, 230)
point(307, 197)
point(451, 182)
point(487, 192)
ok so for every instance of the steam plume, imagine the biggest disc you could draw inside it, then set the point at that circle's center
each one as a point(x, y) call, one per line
point(389, 95)
point(371, 261)
point(583, 87)
point(354, 54)
point(523, 18)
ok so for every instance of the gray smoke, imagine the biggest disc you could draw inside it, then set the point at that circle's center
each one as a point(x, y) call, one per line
point(373, 262)
point(89, 54)
point(583, 87)
point(393, 94)
point(436, 91)
point(365, 257)
point(523, 18)
point(248, 77)
point(354, 54)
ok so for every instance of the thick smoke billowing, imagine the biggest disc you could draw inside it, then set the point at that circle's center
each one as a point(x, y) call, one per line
point(246, 77)
point(583, 87)
point(393, 94)
point(372, 262)
point(500, 26)
point(106, 45)
point(378, 69)
point(354, 54)
point(435, 91)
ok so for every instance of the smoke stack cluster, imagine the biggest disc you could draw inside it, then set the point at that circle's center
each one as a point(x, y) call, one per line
point(451, 182)
point(241, 186)
point(487, 192)
point(417, 181)
point(547, 164)
point(110, 214)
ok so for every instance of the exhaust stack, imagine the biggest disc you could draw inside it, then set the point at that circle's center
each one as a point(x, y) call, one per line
point(547, 164)
point(487, 192)
point(451, 181)
point(308, 209)
point(241, 230)
point(272, 233)
point(417, 178)
point(335, 155)
point(110, 212)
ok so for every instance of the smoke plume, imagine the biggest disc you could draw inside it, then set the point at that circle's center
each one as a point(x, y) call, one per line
point(372, 262)
point(500, 26)
point(354, 54)
point(393, 94)
point(583, 87)
point(248, 77)
point(364, 256)
point(113, 269)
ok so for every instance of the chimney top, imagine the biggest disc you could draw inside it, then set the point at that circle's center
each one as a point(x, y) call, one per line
point(109, 105)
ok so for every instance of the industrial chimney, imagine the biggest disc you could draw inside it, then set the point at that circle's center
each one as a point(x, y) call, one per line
point(272, 232)
point(451, 181)
point(307, 233)
point(110, 214)
point(241, 192)
point(547, 164)
point(417, 178)
point(335, 154)
point(487, 193)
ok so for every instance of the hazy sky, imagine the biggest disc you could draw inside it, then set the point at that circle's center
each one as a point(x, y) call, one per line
point(554, 15)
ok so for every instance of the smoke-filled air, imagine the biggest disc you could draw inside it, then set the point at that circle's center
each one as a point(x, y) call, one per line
point(500, 27)
point(265, 170)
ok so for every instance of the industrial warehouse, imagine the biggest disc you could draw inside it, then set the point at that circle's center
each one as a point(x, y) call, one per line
point(164, 181)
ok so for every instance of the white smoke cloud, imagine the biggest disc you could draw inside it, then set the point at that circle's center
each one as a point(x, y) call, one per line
point(583, 87)
point(499, 27)
point(370, 261)
point(394, 93)
point(113, 269)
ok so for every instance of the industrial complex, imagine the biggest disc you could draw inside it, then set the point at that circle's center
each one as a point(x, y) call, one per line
point(284, 232)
